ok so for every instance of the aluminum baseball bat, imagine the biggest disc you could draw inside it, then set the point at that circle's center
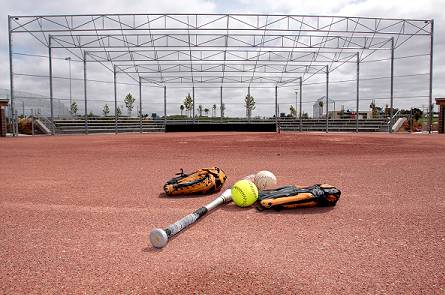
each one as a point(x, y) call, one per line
point(159, 237)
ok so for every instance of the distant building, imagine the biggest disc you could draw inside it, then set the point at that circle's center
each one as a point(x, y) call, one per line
point(319, 112)
point(3, 103)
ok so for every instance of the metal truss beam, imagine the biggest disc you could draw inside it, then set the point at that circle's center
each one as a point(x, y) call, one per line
point(219, 22)
point(182, 41)
point(217, 67)
point(226, 79)
point(211, 55)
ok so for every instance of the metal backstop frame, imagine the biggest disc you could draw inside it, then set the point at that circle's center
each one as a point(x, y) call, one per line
point(221, 50)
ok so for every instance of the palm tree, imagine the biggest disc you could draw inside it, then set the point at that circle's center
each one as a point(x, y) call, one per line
point(182, 108)
point(206, 111)
point(200, 110)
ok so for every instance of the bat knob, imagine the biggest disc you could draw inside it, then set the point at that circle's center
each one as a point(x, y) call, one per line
point(158, 238)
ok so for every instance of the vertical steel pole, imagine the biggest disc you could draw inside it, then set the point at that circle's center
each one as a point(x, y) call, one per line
point(248, 110)
point(296, 106)
point(165, 107)
point(327, 99)
point(32, 122)
point(115, 99)
point(276, 109)
point(301, 104)
point(140, 105)
point(357, 92)
point(85, 89)
point(71, 96)
point(430, 121)
point(16, 122)
point(11, 75)
point(392, 88)
point(221, 103)
point(51, 102)
point(193, 103)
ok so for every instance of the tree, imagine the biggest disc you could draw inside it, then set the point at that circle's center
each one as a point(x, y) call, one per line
point(373, 108)
point(106, 110)
point(73, 108)
point(129, 101)
point(118, 111)
point(181, 108)
point(90, 114)
point(293, 111)
point(417, 113)
point(188, 104)
point(214, 110)
point(249, 103)
point(222, 108)
point(320, 109)
point(199, 109)
point(387, 111)
point(206, 111)
point(342, 112)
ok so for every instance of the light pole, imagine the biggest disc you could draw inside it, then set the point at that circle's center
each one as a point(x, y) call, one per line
point(69, 62)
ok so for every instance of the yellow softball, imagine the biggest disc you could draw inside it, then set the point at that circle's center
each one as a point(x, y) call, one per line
point(244, 193)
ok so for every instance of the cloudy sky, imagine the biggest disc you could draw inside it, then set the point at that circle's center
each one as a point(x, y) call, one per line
point(411, 86)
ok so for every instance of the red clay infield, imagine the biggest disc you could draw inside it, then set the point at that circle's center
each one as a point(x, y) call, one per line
point(75, 213)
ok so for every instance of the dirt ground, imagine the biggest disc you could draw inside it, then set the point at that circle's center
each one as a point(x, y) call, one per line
point(75, 213)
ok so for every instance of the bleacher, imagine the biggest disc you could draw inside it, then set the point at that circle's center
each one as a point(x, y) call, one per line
point(107, 125)
point(346, 125)
point(125, 124)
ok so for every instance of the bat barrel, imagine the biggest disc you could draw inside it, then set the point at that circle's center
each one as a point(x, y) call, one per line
point(158, 238)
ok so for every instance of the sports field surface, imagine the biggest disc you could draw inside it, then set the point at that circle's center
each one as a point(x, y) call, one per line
point(75, 213)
